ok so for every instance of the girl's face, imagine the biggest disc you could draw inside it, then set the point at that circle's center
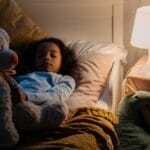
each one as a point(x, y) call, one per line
point(48, 57)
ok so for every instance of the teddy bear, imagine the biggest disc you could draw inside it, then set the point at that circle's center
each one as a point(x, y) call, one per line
point(11, 95)
point(8, 60)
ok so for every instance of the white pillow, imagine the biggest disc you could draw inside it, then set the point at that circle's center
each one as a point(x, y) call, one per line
point(95, 62)
point(82, 47)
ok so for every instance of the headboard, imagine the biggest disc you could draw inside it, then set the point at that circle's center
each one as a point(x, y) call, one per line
point(92, 20)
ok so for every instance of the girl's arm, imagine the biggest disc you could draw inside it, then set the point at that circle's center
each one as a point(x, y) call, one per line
point(59, 92)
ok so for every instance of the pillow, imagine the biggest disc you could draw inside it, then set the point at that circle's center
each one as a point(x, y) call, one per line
point(20, 27)
point(82, 47)
point(94, 64)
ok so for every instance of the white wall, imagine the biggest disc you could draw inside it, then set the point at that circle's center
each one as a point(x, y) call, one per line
point(78, 19)
point(144, 2)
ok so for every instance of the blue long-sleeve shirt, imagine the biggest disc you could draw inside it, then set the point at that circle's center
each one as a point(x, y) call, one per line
point(46, 86)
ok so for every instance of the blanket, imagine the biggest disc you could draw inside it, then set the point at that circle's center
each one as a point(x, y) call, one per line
point(133, 133)
point(84, 129)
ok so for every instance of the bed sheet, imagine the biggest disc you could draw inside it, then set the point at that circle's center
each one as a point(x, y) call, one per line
point(112, 93)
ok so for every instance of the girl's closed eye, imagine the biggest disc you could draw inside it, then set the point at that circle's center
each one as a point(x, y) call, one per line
point(53, 55)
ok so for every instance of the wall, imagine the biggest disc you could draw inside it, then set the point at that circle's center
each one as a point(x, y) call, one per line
point(144, 2)
point(78, 19)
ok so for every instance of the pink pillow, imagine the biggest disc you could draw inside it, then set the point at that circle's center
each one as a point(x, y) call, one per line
point(94, 69)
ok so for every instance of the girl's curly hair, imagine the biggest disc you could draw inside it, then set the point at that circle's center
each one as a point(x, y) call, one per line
point(69, 60)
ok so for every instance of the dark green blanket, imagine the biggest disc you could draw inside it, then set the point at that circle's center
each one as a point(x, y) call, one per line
point(132, 131)
point(84, 129)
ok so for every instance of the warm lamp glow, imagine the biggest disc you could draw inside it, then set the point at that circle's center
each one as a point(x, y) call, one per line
point(141, 35)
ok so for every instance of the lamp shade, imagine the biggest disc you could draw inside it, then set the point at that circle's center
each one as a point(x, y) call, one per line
point(141, 30)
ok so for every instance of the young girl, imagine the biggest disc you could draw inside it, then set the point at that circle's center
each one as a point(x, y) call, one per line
point(46, 84)
point(48, 78)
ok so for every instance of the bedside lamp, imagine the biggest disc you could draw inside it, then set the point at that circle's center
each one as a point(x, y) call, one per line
point(140, 37)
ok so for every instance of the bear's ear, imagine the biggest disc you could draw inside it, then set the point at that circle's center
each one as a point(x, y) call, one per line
point(19, 26)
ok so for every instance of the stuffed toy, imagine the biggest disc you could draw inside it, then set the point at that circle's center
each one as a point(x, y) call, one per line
point(8, 60)
point(17, 114)
point(10, 94)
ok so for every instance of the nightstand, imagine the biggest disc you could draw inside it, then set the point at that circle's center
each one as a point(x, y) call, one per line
point(134, 81)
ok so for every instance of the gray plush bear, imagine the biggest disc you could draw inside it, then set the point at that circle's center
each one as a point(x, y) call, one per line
point(18, 115)
point(8, 60)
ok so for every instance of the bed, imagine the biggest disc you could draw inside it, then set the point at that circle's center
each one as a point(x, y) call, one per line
point(94, 30)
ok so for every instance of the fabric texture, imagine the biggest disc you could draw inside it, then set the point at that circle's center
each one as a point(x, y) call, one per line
point(46, 86)
point(94, 70)
point(8, 133)
point(132, 131)
point(85, 128)
point(18, 24)
point(95, 61)
point(29, 117)
point(26, 116)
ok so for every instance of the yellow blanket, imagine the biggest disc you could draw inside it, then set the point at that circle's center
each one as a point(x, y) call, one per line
point(85, 128)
